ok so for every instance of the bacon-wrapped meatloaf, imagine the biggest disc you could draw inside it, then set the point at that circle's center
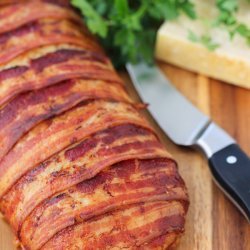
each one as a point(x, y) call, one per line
point(80, 168)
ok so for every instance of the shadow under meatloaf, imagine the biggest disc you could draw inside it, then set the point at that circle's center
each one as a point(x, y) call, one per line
point(138, 227)
point(52, 64)
point(22, 12)
point(77, 163)
point(57, 133)
point(45, 32)
point(26, 110)
point(125, 183)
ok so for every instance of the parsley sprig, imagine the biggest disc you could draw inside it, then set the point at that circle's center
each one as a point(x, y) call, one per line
point(227, 19)
point(205, 40)
point(127, 28)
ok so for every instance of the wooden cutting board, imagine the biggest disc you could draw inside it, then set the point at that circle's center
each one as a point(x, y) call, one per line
point(213, 223)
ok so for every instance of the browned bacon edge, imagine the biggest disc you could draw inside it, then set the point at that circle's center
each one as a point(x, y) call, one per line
point(50, 68)
point(44, 32)
point(168, 241)
point(65, 3)
point(7, 2)
point(70, 186)
point(16, 15)
point(27, 110)
point(123, 184)
point(77, 163)
point(57, 133)
point(136, 227)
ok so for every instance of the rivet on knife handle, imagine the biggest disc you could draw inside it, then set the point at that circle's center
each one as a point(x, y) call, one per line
point(229, 165)
point(233, 165)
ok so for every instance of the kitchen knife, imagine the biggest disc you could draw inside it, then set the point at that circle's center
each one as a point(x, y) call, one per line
point(185, 125)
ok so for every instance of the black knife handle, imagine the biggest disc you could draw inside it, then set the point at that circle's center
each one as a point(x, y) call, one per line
point(231, 169)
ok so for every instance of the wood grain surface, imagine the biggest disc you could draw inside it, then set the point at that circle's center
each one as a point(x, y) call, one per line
point(213, 223)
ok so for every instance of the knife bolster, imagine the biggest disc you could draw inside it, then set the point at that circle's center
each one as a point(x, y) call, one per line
point(213, 139)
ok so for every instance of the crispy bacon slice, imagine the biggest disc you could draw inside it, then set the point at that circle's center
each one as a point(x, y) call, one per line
point(6, 2)
point(132, 228)
point(51, 136)
point(64, 3)
point(80, 168)
point(27, 110)
point(44, 32)
point(77, 163)
point(167, 241)
point(49, 65)
point(16, 15)
point(163, 242)
point(123, 184)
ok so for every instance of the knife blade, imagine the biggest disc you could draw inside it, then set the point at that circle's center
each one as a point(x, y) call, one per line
point(185, 125)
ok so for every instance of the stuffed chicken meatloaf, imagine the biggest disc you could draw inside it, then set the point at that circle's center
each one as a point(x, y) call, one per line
point(80, 167)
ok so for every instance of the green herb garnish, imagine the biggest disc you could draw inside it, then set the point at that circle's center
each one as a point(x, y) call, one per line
point(127, 28)
point(226, 19)
point(205, 40)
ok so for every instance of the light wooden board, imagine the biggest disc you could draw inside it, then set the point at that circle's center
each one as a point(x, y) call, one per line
point(213, 223)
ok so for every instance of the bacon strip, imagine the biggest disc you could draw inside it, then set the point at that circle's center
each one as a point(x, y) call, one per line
point(44, 32)
point(27, 110)
point(16, 15)
point(6, 2)
point(167, 241)
point(79, 166)
point(49, 65)
point(64, 3)
point(123, 184)
point(131, 228)
point(51, 136)
point(77, 163)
